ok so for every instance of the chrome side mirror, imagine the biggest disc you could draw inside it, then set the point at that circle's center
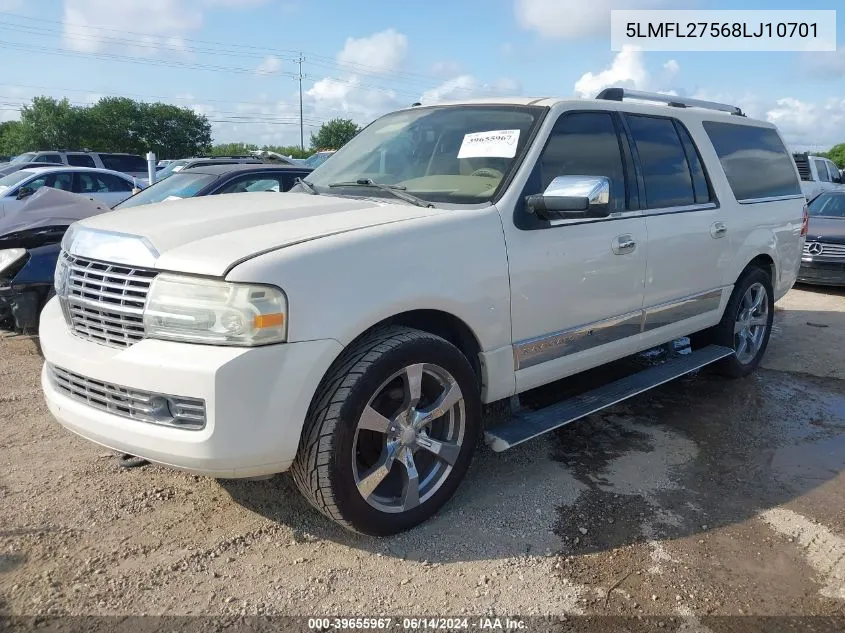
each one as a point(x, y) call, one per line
point(572, 197)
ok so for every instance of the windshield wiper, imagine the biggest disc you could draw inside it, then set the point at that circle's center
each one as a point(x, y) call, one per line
point(307, 185)
point(396, 190)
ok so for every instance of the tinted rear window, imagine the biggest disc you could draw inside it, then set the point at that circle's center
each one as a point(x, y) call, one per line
point(666, 172)
point(125, 162)
point(754, 159)
point(80, 160)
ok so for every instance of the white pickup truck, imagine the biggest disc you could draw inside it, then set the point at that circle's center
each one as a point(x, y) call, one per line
point(360, 331)
point(818, 174)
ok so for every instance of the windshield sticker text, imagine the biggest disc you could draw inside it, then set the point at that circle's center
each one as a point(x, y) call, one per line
point(495, 143)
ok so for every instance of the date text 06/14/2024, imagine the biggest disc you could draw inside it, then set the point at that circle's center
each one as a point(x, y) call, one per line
point(418, 624)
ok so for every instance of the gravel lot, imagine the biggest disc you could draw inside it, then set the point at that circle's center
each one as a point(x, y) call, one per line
point(705, 497)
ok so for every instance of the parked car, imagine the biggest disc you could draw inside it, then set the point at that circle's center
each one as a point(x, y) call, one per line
point(11, 168)
point(130, 164)
point(104, 185)
point(29, 247)
point(442, 264)
point(318, 158)
point(212, 179)
point(818, 174)
point(823, 262)
point(188, 163)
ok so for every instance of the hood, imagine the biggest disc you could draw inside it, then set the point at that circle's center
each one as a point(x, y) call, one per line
point(44, 217)
point(208, 235)
point(826, 230)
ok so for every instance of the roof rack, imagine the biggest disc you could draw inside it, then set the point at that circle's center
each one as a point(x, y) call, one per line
point(619, 94)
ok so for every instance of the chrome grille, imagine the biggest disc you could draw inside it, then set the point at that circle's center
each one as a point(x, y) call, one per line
point(144, 406)
point(104, 302)
point(828, 250)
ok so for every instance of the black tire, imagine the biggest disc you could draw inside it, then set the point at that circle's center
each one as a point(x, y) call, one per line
point(723, 334)
point(327, 462)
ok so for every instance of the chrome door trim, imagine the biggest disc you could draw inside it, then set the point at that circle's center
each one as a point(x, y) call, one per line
point(795, 196)
point(686, 208)
point(680, 309)
point(547, 347)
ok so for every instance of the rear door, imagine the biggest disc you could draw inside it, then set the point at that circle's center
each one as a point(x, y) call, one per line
point(107, 188)
point(688, 231)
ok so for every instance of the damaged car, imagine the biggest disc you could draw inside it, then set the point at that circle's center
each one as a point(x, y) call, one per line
point(30, 240)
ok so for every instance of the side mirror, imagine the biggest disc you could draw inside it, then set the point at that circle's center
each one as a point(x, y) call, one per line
point(572, 197)
point(25, 192)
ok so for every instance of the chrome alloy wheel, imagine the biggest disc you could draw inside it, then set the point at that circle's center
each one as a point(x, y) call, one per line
point(752, 320)
point(408, 438)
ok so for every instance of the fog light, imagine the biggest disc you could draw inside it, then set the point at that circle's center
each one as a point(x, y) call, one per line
point(161, 408)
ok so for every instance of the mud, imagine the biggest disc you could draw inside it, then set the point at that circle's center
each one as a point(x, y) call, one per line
point(706, 497)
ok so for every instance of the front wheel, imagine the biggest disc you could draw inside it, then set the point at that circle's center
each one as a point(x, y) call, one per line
point(746, 324)
point(390, 433)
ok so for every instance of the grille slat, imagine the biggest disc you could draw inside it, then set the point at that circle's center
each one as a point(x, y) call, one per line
point(104, 302)
point(180, 412)
point(828, 249)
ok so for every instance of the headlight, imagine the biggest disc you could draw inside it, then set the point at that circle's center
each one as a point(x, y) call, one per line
point(10, 256)
point(195, 310)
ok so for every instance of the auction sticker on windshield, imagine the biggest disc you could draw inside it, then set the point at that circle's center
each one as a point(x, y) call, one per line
point(495, 143)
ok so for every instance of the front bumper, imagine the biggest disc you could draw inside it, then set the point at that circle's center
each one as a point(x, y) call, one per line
point(256, 398)
point(822, 273)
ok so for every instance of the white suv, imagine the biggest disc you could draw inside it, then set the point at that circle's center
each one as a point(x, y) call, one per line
point(448, 259)
point(129, 164)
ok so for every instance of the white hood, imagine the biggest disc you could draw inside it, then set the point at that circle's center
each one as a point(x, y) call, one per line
point(210, 234)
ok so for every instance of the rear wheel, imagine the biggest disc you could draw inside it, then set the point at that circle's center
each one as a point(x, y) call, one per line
point(391, 432)
point(746, 324)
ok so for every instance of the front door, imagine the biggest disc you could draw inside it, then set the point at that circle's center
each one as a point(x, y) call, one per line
point(576, 285)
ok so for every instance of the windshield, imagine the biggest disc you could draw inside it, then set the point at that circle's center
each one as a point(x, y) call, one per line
point(317, 159)
point(7, 182)
point(23, 158)
point(171, 168)
point(454, 154)
point(830, 205)
point(178, 186)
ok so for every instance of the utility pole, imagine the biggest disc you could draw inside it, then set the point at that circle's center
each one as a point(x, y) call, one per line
point(301, 133)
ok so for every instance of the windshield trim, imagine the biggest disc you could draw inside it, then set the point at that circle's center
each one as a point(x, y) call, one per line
point(541, 113)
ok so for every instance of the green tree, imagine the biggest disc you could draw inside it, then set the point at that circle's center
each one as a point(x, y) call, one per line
point(48, 123)
point(172, 132)
point(837, 155)
point(334, 134)
point(12, 141)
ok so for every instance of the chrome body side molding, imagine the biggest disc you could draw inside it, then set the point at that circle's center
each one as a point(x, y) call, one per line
point(541, 349)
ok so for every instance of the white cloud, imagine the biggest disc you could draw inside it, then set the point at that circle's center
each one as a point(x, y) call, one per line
point(270, 66)
point(381, 52)
point(627, 70)
point(163, 19)
point(577, 18)
point(468, 87)
point(809, 125)
point(347, 96)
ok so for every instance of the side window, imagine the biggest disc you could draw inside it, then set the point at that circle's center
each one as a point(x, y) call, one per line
point(114, 183)
point(663, 162)
point(80, 160)
point(821, 169)
point(124, 162)
point(62, 180)
point(585, 144)
point(88, 183)
point(755, 160)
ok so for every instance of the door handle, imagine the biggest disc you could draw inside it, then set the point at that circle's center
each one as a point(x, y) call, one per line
point(623, 244)
point(718, 229)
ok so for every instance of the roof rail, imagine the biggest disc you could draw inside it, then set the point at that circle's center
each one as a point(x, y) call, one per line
point(619, 94)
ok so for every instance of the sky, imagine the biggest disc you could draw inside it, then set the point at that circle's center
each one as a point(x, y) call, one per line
point(236, 60)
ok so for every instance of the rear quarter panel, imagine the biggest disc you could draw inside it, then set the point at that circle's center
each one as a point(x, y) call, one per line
point(771, 227)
